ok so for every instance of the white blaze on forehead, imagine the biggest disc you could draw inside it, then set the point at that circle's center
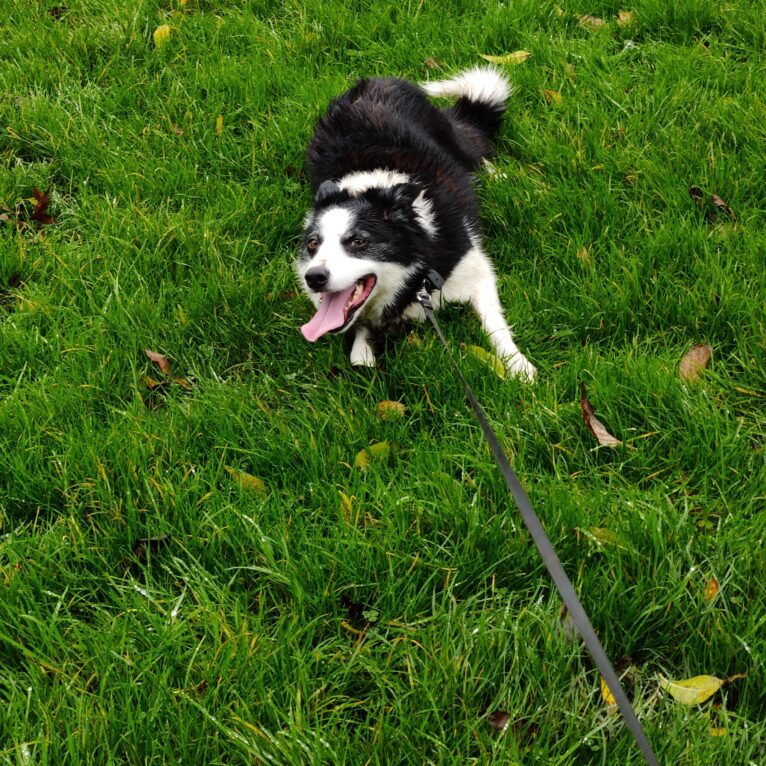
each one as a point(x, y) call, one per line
point(361, 181)
point(333, 224)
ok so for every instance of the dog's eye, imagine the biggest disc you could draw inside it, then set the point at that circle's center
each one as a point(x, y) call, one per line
point(312, 244)
point(358, 243)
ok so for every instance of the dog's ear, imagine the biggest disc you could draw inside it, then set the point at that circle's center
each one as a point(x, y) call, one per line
point(399, 201)
point(326, 190)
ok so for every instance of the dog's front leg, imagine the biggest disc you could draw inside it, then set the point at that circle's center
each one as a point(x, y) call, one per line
point(362, 354)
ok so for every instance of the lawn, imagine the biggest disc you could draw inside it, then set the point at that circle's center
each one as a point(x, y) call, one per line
point(195, 568)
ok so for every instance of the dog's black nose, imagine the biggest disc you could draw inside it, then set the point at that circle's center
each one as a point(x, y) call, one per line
point(317, 277)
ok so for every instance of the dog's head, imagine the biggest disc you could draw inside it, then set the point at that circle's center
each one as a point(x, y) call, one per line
point(361, 248)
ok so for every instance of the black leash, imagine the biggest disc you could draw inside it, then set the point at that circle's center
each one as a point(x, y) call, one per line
point(540, 538)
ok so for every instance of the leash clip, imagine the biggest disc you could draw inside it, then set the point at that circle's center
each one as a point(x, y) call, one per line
point(432, 281)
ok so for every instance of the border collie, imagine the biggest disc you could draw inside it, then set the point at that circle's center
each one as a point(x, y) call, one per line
point(392, 177)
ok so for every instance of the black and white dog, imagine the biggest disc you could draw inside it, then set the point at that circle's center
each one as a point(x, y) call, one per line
point(392, 178)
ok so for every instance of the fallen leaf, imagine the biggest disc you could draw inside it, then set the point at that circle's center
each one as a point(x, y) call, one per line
point(697, 195)
point(552, 96)
point(246, 480)
point(432, 62)
point(391, 410)
point(692, 691)
point(606, 694)
point(219, 125)
point(42, 201)
point(604, 536)
point(590, 21)
point(605, 439)
point(695, 360)
point(161, 35)
point(711, 589)
point(499, 720)
point(489, 359)
point(160, 361)
point(583, 254)
point(164, 365)
point(721, 205)
point(625, 18)
point(517, 57)
point(380, 452)
point(151, 383)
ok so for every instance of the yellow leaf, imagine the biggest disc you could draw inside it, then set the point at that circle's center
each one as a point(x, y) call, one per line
point(590, 21)
point(552, 96)
point(219, 125)
point(346, 503)
point(161, 35)
point(715, 731)
point(624, 18)
point(606, 693)
point(517, 57)
point(391, 410)
point(246, 480)
point(375, 452)
point(489, 359)
point(692, 691)
point(604, 536)
point(711, 589)
point(583, 254)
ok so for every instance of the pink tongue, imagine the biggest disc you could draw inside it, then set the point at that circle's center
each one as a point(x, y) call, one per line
point(330, 315)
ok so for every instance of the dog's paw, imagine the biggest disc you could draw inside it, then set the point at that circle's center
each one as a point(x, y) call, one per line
point(362, 355)
point(520, 367)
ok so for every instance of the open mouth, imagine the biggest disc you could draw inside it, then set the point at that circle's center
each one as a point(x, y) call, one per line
point(336, 310)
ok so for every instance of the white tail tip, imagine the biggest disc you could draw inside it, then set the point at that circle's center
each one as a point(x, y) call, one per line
point(483, 84)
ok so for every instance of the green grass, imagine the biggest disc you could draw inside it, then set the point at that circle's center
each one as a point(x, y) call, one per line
point(378, 616)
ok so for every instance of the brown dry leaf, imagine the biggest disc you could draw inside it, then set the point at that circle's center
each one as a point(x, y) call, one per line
point(246, 480)
point(42, 201)
point(695, 360)
point(432, 62)
point(697, 194)
point(605, 439)
point(590, 21)
point(721, 205)
point(625, 18)
point(388, 410)
point(151, 383)
point(711, 589)
point(552, 96)
point(499, 720)
point(160, 361)
point(517, 57)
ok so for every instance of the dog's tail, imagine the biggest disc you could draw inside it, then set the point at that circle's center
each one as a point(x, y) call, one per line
point(481, 94)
